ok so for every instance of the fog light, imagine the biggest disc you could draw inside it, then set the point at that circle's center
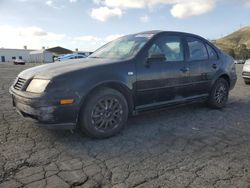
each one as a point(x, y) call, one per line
point(66, 101)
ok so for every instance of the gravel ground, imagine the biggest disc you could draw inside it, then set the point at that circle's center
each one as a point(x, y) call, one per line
point(191, 146)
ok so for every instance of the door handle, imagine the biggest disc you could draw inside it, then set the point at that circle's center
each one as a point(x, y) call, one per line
point(214, 66)
point(184, 69)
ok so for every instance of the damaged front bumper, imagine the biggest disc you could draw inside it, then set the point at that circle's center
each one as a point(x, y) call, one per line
point(45, 111)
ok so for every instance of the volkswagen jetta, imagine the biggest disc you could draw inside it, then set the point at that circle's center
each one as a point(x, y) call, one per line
point(132, 74)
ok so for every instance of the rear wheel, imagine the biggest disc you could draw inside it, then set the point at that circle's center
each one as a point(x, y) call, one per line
point(219, 94)
point(104, 114)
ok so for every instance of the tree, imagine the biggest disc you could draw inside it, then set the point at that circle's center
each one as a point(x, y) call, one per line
point(242, 52)
point(232, 53)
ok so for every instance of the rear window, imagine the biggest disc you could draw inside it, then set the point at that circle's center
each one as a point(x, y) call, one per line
point(197, 49)
point(211, 53)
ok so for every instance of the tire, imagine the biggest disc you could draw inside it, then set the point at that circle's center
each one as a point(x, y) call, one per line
point(219, 94)
point(104, 114)
point(247, 82)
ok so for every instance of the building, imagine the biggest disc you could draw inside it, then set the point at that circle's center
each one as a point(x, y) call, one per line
point(57, 51)
point(41, 56)
point(36, 56)
point(9, 55)
point(48, 55)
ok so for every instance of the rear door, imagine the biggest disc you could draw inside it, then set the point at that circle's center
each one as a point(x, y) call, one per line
point(198, 63)
point(213, 63)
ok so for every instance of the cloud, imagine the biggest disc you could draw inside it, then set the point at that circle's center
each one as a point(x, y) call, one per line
point(105, 13)
point(112, 37)
point(30, 31)
point(247, 3)
point(33, 37)
point(87, 38)
point(192, 8)
point(144, 19)
point(90, 38)
point(96, 41)
point(180, 8)
point(49, 3)
point(123, 4)
point(93, 42)
point(54, 5)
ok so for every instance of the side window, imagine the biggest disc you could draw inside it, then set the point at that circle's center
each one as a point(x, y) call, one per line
point(197, 49)
point(211, 53)
point(170, 46)
point(154, 50)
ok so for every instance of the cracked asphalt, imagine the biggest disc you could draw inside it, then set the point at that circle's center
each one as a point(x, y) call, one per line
point(190, 146)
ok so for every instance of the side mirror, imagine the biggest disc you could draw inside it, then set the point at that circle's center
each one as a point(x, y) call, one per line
point(155, 58)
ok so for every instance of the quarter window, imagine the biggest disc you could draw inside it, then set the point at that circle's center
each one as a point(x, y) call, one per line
point(212, 53)
point(197, 49)
point(170, 46)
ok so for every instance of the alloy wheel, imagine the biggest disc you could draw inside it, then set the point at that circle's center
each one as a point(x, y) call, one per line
point(221, 93)
point(106, 114)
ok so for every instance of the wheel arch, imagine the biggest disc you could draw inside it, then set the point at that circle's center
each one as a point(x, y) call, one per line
point(122, 88)
point(224, 76)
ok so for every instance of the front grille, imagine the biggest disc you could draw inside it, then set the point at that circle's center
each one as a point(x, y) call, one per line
point(246, 73)
point(19, 84)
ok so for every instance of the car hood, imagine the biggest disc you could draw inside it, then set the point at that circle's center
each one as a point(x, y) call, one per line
point(48, 71)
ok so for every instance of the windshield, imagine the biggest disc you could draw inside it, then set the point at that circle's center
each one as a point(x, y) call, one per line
point(123, 48)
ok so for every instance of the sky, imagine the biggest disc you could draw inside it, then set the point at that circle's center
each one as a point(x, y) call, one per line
point(88, 24)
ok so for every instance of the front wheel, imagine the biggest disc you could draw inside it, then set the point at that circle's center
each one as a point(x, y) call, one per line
point(219, 94)
point(104, 113)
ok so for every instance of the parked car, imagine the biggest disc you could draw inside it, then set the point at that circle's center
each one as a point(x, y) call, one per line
point(246, 72)
point(70, 56)
point(127, 76)
point(19, 62)
point(241, 61)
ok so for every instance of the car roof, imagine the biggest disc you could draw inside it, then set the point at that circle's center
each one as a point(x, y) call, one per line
point(156, 32)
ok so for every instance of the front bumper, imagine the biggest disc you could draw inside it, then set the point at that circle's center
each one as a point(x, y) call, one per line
point(45, 112)
point(246, 75)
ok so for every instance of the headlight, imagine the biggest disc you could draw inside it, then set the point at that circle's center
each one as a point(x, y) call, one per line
point(37, 86)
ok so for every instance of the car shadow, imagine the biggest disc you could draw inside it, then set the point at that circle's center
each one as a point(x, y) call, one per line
point(189, 130)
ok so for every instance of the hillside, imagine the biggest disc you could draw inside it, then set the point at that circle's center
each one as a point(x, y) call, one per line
point(233, 40)
point(236, 44)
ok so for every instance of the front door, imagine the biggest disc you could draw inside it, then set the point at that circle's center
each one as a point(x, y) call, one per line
point(162, 81)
